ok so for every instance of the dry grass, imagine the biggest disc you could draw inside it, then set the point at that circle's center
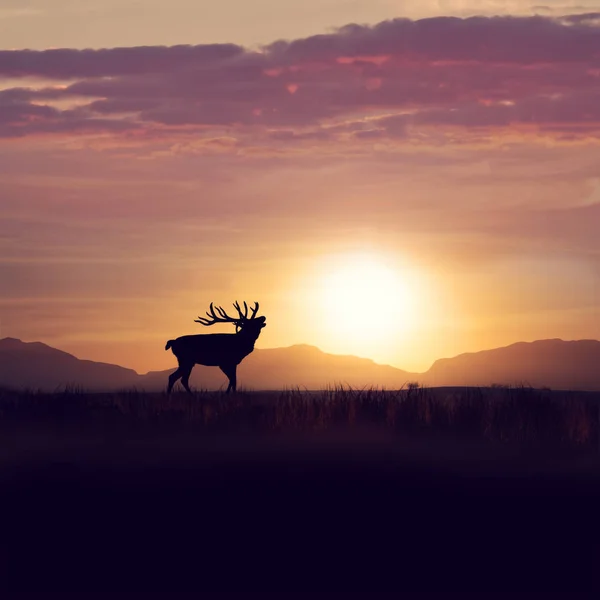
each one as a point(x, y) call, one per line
point(521, 416)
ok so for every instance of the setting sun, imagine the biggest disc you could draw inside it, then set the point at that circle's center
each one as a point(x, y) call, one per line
point(364, 300)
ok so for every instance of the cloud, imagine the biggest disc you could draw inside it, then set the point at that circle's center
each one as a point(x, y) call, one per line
point(113, 62)
point(519, 40)
point(400, 79)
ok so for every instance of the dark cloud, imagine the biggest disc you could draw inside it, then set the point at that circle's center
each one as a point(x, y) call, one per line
point(68, 63)
point(471, 73)
point(519, 40)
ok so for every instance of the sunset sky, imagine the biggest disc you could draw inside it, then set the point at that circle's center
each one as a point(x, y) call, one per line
point(401, 180)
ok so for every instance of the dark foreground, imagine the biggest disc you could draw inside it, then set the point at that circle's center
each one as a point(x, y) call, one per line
point(92, 505)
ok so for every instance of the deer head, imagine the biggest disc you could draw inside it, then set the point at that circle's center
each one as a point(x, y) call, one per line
point(241, 322)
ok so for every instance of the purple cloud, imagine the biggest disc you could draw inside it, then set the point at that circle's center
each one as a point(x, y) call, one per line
point(67, 63)
point(441, 72)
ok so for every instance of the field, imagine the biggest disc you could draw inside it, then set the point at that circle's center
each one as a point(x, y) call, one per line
point(428, 490)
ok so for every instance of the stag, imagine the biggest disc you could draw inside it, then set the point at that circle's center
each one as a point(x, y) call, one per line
point(223, 350)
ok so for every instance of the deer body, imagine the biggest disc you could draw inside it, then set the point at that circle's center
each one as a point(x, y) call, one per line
point(213, 349)
point(223, 350)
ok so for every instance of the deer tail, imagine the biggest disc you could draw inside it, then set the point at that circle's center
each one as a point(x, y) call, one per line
point(169, 344)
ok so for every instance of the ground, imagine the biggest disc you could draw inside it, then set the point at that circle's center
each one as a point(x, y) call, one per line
point(339, 491)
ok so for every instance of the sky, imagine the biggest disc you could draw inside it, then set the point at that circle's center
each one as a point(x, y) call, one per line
point(403, 181)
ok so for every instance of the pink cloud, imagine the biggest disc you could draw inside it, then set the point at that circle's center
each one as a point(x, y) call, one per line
point(473, 73)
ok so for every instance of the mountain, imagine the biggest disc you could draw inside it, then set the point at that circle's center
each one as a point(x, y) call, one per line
point(34, 365)
point(301, 365)
point(572, 365)
point(557, 364)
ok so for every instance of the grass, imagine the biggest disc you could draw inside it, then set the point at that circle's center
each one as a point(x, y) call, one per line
point(197, 504)
point(527, 418)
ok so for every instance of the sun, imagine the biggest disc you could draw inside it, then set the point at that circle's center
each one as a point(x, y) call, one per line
point(365, 301)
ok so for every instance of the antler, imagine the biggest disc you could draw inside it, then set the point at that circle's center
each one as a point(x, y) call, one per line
point(244, 315)
point(223, 317)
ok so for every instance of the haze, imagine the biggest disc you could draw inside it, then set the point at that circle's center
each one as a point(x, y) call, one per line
point(198, 158)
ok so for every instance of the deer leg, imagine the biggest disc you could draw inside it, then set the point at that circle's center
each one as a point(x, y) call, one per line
point(187, 371)
point(173, 377)
point(230, 371)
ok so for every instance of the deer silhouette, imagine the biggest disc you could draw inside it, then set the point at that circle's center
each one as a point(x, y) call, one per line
point(223, 350)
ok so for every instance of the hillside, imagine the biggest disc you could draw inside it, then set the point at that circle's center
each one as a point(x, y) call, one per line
point(558, 364)
point(302, 365)
point(555, 363)
point(35, 366)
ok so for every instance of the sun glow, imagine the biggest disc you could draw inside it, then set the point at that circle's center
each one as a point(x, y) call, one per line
point(366, 304)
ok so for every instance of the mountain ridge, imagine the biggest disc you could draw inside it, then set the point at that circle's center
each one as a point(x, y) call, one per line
point(553, 362)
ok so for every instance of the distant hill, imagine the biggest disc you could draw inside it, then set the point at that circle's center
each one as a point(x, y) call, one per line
point(546, 363)
point(35, 366)
point(301, 365)
point(573, 365)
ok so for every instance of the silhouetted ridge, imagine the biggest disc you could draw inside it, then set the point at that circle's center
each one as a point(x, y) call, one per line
point(34, 365)
point(550, 363)
point(15, 344)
